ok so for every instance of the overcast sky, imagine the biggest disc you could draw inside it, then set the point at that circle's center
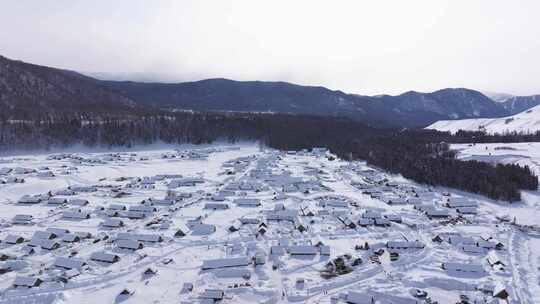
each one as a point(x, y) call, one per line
point(364, 47)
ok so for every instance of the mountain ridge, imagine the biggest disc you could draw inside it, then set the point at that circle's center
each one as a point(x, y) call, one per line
point(27, 87)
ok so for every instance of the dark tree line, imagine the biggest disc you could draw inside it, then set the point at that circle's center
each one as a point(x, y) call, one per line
point(463, 136)
point(435, 164)
point(421, 155)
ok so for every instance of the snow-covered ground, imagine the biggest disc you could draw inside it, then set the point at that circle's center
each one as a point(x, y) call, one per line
point(525, 213)
point(328, 210)
point(524, 122)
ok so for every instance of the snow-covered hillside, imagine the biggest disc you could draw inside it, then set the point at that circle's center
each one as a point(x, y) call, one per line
point(527, 121)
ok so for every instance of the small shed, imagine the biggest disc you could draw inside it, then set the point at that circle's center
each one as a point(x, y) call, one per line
point(27, 282)
point(225, 263)
point(104, 257)
point(129, 244)
point(213, 294)
point(68, 263)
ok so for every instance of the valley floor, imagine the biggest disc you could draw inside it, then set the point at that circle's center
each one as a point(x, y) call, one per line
point(283, 222)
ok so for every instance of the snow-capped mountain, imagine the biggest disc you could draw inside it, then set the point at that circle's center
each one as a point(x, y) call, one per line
point(514, 104)
point(525, 122)
point(517, 104)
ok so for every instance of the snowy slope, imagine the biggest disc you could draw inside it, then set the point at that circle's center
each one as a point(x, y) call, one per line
point(527, 121)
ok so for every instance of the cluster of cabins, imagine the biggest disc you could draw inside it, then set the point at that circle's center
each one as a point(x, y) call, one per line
point(259, 179)
point(369, 218)
point(149, 182)
point(11, 172)
point(53, 238)
point(470, 245)
point(132, 241)
point(463, 205)
point(16, 175)
point(483, 246)
point(392, 193)
point(57, 199)
point(172, 181)
point(284, 182)
point(194, 154)
point(49, 239)
point(185, 182)
point(103, 159)
point(284, 247)
point(69, 267)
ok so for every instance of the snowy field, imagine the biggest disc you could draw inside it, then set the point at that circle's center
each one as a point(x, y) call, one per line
point(242, 224)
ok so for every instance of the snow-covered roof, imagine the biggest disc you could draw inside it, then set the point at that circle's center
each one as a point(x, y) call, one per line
point(109, 222)
point(56, 201)
point(70, 237)
point(75, 215)
point(13, 239)
point(28, 199)
point(57, 231)
point(26, 281)
point(249, 202)
point(104, 257)
point(467, 210)
point(302, 250)
point(461, 202)
point(405, 244)
point(227, 262)
point(233, 273)
point(359, 298)
point(117, 207)
point(139, 237)
point(68, 263)
point(142, 208)
point(202, 229)
point(282, 215)
point(43, 235)
point(214, 294)
point(129, 244)
point(277, 250)
point(437, 213)
point(216, 206)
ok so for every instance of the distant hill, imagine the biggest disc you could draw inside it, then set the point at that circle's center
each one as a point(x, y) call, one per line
point(27, 88)
point(448, 103)
point(409, 109)
point(244, 96)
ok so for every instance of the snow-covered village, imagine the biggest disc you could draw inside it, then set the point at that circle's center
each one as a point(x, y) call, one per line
point(247, 224)
point(269, 152)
